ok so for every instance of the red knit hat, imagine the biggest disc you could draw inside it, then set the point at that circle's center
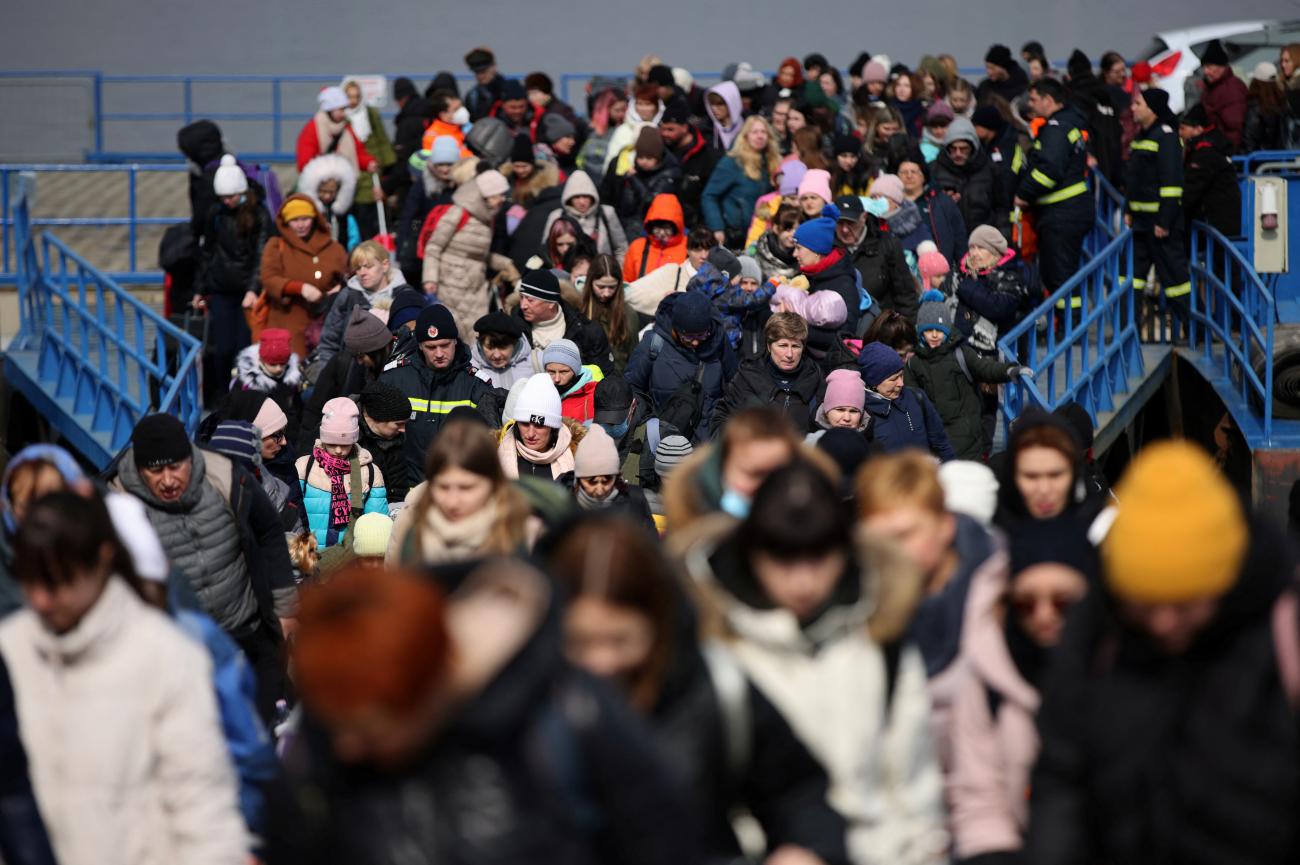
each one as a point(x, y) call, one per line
point(273, 347)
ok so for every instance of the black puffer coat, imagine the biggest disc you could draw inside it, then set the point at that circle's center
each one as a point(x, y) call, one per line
point(983, 201)
point(630, 194)
point(230, 263)
point(882, 267)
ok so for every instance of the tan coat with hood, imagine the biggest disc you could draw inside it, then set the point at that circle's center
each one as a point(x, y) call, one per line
point(457, 257)
point(600, 222)
point(288, 263)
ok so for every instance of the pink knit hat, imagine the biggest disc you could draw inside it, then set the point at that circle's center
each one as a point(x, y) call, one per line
point(930, 262)
point(818, 182)
point(596, 454)
point(844, 388)
point(270, 418)
point(340, 423)
point(888, 186)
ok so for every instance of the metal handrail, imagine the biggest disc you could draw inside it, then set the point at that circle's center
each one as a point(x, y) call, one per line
point(78, 319)
point(1235, 309)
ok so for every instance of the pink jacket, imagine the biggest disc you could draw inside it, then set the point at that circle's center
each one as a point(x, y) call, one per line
point(822, 309)
point(988, 787)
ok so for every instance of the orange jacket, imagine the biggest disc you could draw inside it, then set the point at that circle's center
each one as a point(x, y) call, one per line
point(645, 254)
point(439, 127)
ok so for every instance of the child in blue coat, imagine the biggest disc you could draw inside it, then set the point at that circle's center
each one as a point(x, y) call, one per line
point(325, 474)
point(902, 417)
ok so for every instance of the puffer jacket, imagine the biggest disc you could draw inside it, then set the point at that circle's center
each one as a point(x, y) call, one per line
point(123, 737)
point(288, 263)
point(434, 394)
point(579, 401)
point(983, 201)
point(1225, 103)
point(570, 774)
point(519, 366)
point(631, 194)
point(937, 373)
point(864, 717)
point(909, 421)
point(600, 222)
point(645, 254)
point(457, 257)
point(758, 383)
point(201, 538)
point(315, 486)
point(230, 263)
point(989, 303)
point(352, 295)
point(389, 457)
point(657, 378)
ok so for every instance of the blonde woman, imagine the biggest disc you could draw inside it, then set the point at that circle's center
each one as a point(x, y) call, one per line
point(465, 509)
point(744, 174)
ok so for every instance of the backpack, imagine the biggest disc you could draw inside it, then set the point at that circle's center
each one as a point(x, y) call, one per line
point(684, 409)
point(431, 223)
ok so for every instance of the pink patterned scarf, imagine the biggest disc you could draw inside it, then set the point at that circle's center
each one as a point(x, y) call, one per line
point(336, 469)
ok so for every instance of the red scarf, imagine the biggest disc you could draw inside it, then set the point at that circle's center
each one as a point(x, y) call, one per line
point(335, 468)
point(813, 269)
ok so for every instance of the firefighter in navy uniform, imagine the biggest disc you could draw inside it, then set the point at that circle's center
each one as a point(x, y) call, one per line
point(1154, 209)
point(1054, 183)
point(437, 380)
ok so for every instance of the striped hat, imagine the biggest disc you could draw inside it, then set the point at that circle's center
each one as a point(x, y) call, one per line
point(671, 451)
point(238, 440)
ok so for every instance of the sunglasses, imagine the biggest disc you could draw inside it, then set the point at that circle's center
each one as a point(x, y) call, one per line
point(695, 337)
point(1026, 605)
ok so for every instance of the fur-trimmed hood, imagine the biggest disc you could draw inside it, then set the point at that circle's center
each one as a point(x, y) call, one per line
point(889, 590)
point(322, 168)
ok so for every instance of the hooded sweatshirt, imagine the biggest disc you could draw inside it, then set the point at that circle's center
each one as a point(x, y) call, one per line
point(520, 365)
point(645, 254)
point(600, 222)
point(724, 136)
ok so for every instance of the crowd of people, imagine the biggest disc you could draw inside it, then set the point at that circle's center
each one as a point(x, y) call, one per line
point(636, 499)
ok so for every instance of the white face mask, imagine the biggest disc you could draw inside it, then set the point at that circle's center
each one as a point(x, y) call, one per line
point(460, 116)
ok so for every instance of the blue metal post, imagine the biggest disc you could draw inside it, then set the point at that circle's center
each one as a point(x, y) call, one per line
point(275, 111)
point(6, 218)
point(131, 205)
point(99, 115)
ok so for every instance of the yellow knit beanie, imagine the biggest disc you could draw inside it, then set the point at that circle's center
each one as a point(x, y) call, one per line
point(296, 207)
point(370, 535)
point(1180, 535)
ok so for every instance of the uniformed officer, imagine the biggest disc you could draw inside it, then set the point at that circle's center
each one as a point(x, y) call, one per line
point(1055, 185)
point(1154, 182)
point(436, 380)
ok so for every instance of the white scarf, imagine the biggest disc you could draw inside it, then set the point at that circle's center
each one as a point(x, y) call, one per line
point(547, 332)
point(441, 540)
point(359, 117)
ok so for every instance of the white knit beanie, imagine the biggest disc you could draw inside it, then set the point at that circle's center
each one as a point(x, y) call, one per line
point(230, 179)
point(539, 402)
point(331, 98)
point(969, 488)
point(492, 183)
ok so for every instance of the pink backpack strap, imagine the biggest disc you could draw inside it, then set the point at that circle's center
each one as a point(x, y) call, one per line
point(1286, 642)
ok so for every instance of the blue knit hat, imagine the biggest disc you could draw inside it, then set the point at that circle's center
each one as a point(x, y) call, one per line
point(878, 362)
point(238, 440)
point(692, 312)
point(818, 234)
point(933, 313)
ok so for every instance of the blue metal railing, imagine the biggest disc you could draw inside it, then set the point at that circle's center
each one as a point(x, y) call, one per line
point(1096, 352)
point(132, 221)
point(1232, 320)
point(186, 103)
point(101, 357)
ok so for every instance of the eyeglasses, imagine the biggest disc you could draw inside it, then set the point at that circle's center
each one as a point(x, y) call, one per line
point(1026, 605)
point(695, 337)
point(279, 437)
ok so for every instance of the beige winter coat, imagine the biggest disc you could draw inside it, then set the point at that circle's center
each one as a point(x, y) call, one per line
point(123, 737)
point(456, 259)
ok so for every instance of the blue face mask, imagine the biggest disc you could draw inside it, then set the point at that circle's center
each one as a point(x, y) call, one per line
point(616, 432)
point(877, 207)
point(735, 504)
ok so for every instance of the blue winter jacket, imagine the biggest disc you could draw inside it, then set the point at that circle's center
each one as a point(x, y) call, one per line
point(910, 421)
point(732, 302)
point(728, 199)
point(673, 364)
point(316, 499)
